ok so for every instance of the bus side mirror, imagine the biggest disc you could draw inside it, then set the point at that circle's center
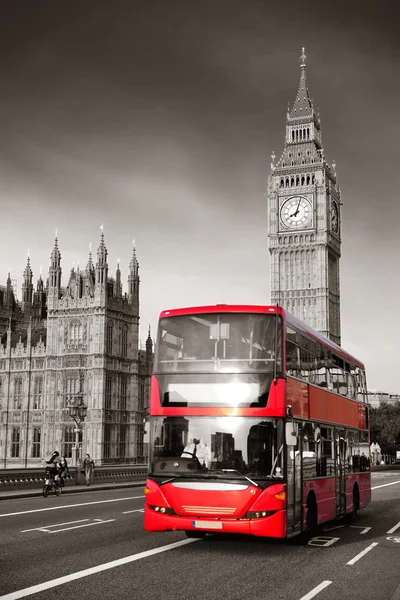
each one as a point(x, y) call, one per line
point(291, 434)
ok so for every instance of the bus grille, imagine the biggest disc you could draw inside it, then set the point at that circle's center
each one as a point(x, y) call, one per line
point(207, 510)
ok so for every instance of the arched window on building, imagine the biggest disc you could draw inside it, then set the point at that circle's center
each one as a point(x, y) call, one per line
point(313, 179)
point(124, 391)
point(124, 342)
point(107, 441)
point(109, 337)
point(69, 441)
point(17, 393)
point(76, 332)
point(37, 434)
point(38, 393)
point(282, 183)
point(15, 442)
point(308, 180)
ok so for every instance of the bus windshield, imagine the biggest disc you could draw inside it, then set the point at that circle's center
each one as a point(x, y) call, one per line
point(216, 447)
point(219, 342)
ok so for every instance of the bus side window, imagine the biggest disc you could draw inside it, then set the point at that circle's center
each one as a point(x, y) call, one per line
point(321, 374)
point(307, 358)
point(364, 379)
point(351, 381)
point(338, 377)
point(360, 385)
point(327, 458)
point(365, 451)
point(309, 451)
point(292, 359)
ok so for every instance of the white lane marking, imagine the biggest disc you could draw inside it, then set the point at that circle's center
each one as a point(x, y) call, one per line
point(104, 567)
point(56, 525)
point(364, 529)
point(323, 541)
point(25, 512)
point(363, 553)
point(384, 485)
point(78, 526)
point(315, 591)
point(131, 511)
point(394, 539)
point(332, 528)
point(394, 528)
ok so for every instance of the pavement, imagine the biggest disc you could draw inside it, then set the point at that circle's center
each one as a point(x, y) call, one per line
point(13, 493)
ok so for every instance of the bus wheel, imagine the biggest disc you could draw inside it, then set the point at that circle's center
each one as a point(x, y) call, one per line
point(352, 516)
point(195, 534)
point(311, 521)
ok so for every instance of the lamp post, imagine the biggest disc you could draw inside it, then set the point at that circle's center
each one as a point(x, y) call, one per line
point(77, 410)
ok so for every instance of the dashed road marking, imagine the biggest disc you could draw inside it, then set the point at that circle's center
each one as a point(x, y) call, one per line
point(361, 554)
point(36, 510)
point(394, 528)
point(132, 511)
point(384, 485)
point(56, 525)
point(316, 590)
point(364, 529)
point(35, 589)
point(50, 528)
point(79, 526)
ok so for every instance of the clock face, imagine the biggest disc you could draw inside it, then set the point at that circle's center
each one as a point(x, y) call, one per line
point(296, 213)
point(335, 218)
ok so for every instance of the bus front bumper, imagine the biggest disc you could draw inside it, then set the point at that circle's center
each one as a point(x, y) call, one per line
point(273, 526)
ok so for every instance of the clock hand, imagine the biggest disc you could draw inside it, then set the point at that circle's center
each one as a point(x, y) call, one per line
point(297, 210)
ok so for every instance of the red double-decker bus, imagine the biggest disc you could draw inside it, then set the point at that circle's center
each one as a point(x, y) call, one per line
point(258, 425)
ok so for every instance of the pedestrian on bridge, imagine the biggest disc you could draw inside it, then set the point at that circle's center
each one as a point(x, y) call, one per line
point(88, 468)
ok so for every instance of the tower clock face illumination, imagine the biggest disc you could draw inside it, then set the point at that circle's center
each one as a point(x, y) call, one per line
point(296, 213)
point(335, 218)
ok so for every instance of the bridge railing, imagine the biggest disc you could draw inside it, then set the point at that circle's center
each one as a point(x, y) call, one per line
point(34, 478)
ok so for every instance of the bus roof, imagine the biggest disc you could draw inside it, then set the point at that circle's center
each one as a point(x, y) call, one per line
point(246, 308)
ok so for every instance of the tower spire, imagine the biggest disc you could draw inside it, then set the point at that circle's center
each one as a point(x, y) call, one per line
point(55, 269)
point(303, 106)
point(149, 342)
point(27, 286)
point(133, 277)
point(101, 264)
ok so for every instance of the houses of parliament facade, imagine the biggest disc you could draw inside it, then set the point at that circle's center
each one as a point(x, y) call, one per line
point(78, 343)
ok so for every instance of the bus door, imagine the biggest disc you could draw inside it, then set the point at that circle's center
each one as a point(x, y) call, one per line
point(294, 500)
point(340, 471)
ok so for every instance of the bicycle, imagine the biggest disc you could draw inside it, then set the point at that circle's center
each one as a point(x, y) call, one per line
point(52, 483)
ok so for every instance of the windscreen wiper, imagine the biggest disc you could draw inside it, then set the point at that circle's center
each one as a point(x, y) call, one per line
point(233, 471)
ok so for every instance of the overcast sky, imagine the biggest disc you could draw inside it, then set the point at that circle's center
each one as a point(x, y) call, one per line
point(158, 120)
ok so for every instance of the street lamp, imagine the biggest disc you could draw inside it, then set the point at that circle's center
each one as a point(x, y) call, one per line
point(77, 410)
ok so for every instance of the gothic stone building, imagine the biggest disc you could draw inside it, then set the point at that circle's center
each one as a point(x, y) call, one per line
point(62, 344)
point(304, 221)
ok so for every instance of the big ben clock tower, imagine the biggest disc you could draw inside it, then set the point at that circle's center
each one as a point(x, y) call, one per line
point(304, 221)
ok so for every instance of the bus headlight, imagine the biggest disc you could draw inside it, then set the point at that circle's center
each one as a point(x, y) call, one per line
point(259, 514)
point(165, 510)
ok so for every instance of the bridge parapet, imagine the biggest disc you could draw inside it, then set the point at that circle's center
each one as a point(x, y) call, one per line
point(34, 478)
